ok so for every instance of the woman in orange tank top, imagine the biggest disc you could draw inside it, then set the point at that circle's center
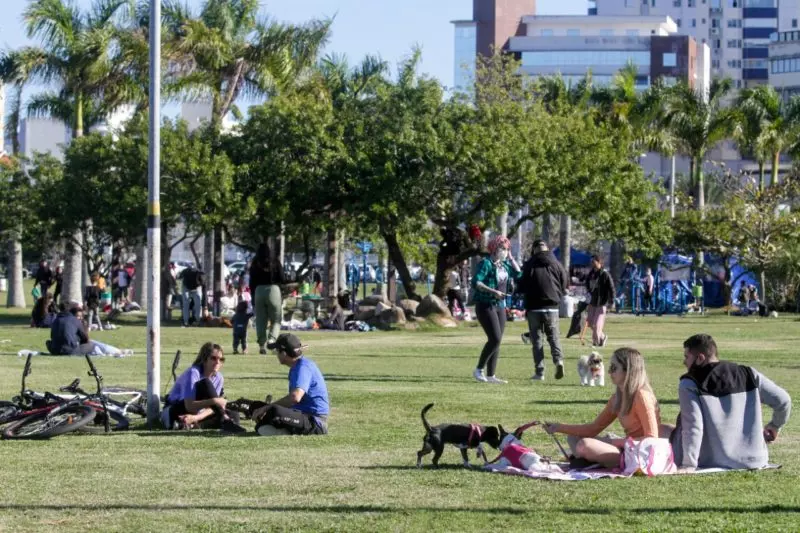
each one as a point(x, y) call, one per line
point(633, 403)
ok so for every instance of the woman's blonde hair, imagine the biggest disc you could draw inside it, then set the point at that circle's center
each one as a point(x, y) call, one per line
point(631, 362)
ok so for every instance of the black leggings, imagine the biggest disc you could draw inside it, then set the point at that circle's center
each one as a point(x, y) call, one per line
point(493, 320)
point(453, 297)
point(295, 422)
point(203, 390)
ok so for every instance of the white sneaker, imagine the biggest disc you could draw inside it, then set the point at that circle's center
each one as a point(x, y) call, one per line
point(495, 379)
point(604, 341)
point(538, 377)
point(478, 375)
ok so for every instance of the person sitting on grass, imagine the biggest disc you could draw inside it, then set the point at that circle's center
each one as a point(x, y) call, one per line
point(196, 399)
point(44, 312)
point(720, 423)
point(633, 403)
point(304, 411)
point(69, 335)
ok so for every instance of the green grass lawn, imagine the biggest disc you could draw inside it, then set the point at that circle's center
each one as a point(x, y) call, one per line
point(362, 477)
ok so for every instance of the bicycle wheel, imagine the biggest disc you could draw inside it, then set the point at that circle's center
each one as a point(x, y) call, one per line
point(9, 411)
point(51, 423)
point(118, 422)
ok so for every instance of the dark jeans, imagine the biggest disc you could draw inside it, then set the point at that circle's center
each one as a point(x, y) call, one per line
point(492, 319)
point(86, 348)
point(543, 324)
point(239, 338)
point(453, 297)
point(648, 301)
point(203, 390)
point(293, 421)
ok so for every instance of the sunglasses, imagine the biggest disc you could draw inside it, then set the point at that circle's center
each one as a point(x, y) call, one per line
point(217, 358)
point(614, 367)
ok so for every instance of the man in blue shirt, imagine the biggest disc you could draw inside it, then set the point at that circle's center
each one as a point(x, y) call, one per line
point(304, 411)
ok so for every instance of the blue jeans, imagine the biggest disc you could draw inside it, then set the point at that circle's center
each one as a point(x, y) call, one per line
point(543, 324)
point(195, 297)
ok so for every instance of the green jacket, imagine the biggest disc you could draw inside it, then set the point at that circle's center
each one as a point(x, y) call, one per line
point(487, 274)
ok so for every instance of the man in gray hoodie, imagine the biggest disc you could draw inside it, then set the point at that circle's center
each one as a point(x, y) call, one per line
point(720, 420)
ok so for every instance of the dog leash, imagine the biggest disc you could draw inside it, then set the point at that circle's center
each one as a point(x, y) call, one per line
point(560, 447)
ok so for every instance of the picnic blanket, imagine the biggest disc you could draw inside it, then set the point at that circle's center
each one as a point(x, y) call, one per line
point(594, 473)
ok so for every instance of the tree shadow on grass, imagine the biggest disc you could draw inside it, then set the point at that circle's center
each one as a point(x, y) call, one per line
point(425, 467)
point(589, 402)
point(205, 433)
point(265, 508)
point(17, 320)
point(765, 509)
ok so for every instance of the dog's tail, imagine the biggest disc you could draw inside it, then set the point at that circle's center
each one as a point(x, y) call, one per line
point(425, 422)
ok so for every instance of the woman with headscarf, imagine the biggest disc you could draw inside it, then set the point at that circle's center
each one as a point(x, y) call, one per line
point(266, 278)
point(491, 285)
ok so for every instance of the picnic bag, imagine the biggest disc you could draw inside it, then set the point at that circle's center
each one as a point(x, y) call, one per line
point(650, 457)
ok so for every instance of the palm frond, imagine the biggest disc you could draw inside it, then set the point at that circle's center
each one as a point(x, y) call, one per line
point(55, 22)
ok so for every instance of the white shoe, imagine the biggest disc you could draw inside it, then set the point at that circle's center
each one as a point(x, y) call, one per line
point(271, 431)
point(538, 377)
point(604, 341)
point(478, 375)
point(495, 379)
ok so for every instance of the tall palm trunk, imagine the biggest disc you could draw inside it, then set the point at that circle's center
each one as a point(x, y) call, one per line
point(72, 290)
point(761, 176)
point(776, 162)
point(73, 261)
point(565, 240)
point(331, 266)
point(16, 291)
point(219, 261)
point(701, 198)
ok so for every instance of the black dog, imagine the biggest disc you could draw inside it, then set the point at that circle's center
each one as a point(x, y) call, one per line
point(463, 436)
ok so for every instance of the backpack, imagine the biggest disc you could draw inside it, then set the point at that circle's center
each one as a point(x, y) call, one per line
point(649, 457)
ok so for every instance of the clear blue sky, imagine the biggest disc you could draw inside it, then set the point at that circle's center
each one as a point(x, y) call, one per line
point(386, 27)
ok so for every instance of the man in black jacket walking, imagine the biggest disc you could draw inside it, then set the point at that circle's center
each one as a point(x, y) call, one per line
point(544, 282)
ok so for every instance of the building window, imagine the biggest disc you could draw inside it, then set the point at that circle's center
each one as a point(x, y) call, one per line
point(717, 43)
point(703, 21)
point(734, 43)
point(547, 33)
point(715, 23)
point(606, 33)
point(676, 3)
point(694, 23)
point(670, 59)
point(585, 58)
point(734, 23)
point(653, 3)
point(691, 3)
point(573, 33)
point(715, 63)
point(678, 23)
point(794, 23)
point(738, 84)
point(632, 33)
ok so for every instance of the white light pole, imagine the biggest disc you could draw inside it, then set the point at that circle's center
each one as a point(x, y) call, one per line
point(154, 222)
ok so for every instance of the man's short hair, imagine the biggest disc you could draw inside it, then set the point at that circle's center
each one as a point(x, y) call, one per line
point(540, 245)
point(597, 258)
point(701, 343)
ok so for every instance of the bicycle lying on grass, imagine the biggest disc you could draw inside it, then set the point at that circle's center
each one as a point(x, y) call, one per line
point(34, 415)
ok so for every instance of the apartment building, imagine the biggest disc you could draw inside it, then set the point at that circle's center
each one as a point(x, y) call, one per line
point(736, 31)
point(784, 60)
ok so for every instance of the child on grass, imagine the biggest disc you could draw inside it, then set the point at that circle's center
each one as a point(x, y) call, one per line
point(240, 321)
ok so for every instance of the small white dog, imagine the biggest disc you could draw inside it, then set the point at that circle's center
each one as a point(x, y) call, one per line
point(591, 370)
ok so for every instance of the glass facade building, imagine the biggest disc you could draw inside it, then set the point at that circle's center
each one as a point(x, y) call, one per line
point(465, 56)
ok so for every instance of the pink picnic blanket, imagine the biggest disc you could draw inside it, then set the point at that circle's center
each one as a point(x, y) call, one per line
point(592, 473)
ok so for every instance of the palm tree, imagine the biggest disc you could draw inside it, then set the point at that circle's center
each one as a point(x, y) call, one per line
point(699, 122)
point(14, 72)
point(768, 127)
point(77, 56)
point(226, 53)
